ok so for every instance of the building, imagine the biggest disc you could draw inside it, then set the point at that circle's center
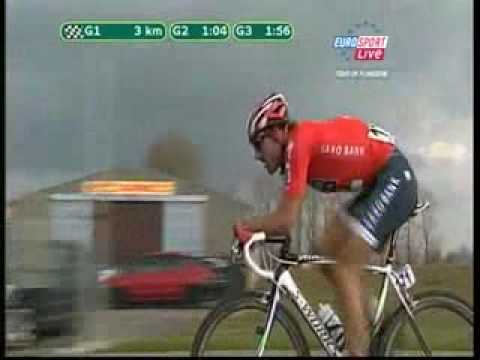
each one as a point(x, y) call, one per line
point(193, 219)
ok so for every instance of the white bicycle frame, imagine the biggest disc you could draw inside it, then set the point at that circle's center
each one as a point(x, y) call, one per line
point(285, 283)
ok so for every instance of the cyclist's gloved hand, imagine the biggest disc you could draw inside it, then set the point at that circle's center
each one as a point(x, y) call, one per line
point(242, 233)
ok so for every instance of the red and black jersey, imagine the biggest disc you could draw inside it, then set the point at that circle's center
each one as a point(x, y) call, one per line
point(343, 153)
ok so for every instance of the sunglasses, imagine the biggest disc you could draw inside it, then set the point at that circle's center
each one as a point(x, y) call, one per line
point(257, 142)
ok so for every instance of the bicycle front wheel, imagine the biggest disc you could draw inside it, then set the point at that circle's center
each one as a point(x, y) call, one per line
point(236, 328)
point(443, 326)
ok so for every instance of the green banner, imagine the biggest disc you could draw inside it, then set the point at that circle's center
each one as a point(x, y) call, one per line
point(263, 31)
point(113, 31)
point(201, 31)
point(182, 31)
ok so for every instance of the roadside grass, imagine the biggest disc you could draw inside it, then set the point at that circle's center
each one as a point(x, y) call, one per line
point(452, 277)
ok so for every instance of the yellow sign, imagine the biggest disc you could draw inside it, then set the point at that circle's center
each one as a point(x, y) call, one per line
point(129, 187)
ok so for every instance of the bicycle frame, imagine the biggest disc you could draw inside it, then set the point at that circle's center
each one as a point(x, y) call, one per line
point(283, 282)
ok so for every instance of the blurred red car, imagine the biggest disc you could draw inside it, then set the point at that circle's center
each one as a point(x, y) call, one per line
point(171, 277)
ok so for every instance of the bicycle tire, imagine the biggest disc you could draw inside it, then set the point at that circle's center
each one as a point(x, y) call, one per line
point(249, 301)
point(443, 301)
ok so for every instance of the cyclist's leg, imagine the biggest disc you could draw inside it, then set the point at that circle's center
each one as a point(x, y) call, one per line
point(368, 218)
point(351, 253)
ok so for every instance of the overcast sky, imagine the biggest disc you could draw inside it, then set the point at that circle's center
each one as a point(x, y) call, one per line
point(73, 109)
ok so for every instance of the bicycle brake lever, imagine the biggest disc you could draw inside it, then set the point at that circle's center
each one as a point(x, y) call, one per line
point(236, 251)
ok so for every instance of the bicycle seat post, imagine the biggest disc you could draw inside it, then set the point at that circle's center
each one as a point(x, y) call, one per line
point(392, 244)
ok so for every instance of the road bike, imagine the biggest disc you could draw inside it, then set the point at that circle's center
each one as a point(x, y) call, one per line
point(268, 322)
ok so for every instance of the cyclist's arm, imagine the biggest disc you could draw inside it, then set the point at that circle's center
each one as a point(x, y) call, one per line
point(280, 221)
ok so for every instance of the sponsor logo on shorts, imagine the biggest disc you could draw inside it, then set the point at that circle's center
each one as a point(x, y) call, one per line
point(377, 209)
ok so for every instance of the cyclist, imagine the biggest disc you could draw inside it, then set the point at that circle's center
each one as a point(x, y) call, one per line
point(339, 154)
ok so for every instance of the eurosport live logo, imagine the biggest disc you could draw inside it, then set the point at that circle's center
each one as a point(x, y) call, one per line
point(363, 48)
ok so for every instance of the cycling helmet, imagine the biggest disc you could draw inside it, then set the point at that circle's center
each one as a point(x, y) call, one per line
point(271, 111)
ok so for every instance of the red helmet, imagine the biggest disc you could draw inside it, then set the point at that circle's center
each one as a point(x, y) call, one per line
point(271, 111)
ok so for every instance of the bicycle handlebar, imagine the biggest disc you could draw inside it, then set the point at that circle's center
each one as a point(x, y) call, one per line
point(259, 236)
point(262, 236)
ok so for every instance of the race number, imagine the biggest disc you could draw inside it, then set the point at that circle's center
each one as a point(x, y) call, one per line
point(377, 133)
point(405, 276)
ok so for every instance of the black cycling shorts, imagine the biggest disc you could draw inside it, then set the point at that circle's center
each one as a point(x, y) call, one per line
point(386, 204)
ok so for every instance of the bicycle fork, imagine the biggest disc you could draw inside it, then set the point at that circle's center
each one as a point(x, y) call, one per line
point(406, 302)
point(267, 328)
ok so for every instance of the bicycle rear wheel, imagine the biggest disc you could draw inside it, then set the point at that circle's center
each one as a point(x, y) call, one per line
point(235, 328)
point(444, 323)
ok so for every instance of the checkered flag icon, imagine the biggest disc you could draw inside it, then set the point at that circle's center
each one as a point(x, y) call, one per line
point(73, 32)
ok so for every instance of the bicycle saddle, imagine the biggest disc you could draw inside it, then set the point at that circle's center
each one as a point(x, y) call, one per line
point(419, 208)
